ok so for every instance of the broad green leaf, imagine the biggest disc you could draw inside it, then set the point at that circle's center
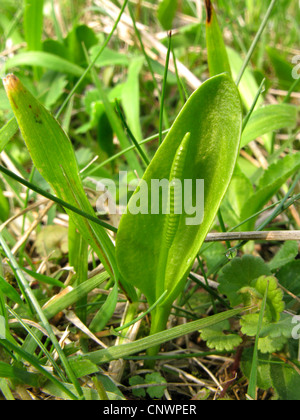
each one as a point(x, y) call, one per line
point(271, 181)
point(253, 296)
point(268, 119)
point(285, 380)
point(149, 256)
point(44, 59)
point(166, 13)
point(287, 253)
point(54, 157)
point(240, 273)
point(155, 378)
point(263, 370)
point(80, 35)
point(216, 51)
point(289, 277)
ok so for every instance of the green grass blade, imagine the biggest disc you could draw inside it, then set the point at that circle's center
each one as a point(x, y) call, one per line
point(268, 119)
point(35, 363)
point(119, 352)
point(61, 303)
point(46, 60)
point(7, 132)
point(40, 314)
point(255, 41)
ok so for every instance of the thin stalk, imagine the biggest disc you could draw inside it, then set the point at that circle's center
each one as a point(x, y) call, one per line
point(134, 140)
point(56, 199)
point(138, 35)
point(164, 86)
point(254, 368)
point(123, 152)
point(255, 41)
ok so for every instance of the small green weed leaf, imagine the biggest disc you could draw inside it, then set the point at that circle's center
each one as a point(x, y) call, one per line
point(268, 119)
point(275, 304)
point(166, 13)
point(240, 273)
point(137, 380)
point(289, 277)
point(271, 181)
point(212, 116)
point(273, 336)
point(80, 35)
point(9, 291)
point(263, 370)
point(287, 253)
point(216, 337)
point(218, 61)
point(155, 391)
point(286, 381)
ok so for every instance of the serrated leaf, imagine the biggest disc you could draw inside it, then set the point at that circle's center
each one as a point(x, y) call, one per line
point(217, 339)
point(138, 380)
point(155, 391)
point(272, 336)
point(275, 304)
point(240, 273)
